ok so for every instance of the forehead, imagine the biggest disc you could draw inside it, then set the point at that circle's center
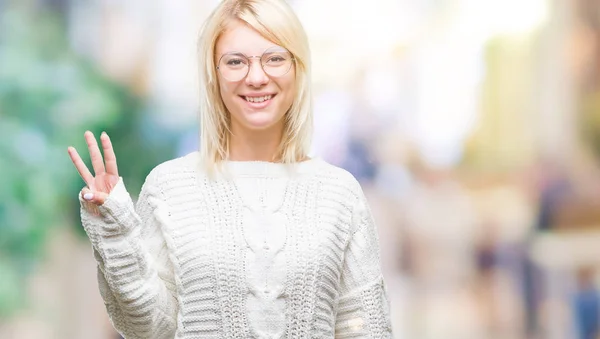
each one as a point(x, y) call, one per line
point(239, 37)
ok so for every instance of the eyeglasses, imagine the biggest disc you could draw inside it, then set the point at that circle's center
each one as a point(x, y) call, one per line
point(275, 62)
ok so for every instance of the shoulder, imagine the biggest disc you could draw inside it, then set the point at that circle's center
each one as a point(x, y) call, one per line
point(336, 178)
point(334, 173)
point(186, 163)
point(338, 184)
point(180, 168)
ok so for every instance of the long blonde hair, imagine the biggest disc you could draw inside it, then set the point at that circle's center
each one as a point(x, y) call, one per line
point(276, 21)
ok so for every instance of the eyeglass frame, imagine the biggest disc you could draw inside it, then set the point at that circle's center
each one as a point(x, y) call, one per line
point(293, 59)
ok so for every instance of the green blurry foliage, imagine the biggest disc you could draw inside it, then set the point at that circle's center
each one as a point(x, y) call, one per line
point(590, 121)
point(48, 97)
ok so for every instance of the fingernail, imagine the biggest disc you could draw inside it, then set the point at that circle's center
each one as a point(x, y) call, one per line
point(88, 196)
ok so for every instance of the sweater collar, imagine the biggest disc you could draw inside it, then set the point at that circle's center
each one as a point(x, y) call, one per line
point(269, 169)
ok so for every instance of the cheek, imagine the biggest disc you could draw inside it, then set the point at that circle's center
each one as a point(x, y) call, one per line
point(290, 91)
point(227, 94)
point(225, 89)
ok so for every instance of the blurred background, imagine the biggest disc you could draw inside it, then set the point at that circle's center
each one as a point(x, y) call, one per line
point(473, 126)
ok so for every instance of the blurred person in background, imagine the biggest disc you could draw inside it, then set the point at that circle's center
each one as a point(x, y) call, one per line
point(249, 237)
point(586, 305)
point(441, 223)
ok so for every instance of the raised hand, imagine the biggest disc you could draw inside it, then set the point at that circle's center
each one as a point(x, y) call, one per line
point(106, 174)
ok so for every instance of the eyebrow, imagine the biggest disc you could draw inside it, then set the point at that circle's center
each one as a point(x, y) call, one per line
point(234, 53)
point(275, 49)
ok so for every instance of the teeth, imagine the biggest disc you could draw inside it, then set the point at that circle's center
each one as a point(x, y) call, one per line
point(259, 99)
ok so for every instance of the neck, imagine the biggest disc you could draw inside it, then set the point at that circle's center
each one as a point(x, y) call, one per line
point(245, 145)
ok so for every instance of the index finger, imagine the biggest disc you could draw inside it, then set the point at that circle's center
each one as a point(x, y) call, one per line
point(84, 172)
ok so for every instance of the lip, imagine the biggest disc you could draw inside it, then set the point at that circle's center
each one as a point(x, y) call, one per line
point(258, 94)
point(258, 105)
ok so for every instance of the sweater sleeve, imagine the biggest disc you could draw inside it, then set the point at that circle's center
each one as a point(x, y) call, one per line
point(363, 310)
point(135, 274)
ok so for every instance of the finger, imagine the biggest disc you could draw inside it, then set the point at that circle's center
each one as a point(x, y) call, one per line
point(86, 194)
point(110, 160)
point(99, 198)
point(97, 162)
point(95, 197)
point(84, 172)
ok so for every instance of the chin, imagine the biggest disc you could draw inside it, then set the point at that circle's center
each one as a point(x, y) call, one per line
point(260, 125)
point(260, 121)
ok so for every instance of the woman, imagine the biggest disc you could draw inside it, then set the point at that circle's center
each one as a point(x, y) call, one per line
point(247, 238)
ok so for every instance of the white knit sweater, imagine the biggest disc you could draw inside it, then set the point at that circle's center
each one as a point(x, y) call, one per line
point(264, 250)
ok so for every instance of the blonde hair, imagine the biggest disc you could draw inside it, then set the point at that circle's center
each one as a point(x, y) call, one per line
point(275, 21)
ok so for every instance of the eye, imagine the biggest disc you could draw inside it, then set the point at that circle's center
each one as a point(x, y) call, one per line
point(235, 62)
point(276, 59)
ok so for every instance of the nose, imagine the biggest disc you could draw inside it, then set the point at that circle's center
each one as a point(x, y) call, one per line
point(256, 75)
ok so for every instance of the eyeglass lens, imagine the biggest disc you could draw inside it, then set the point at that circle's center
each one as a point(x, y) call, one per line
point(275, 62)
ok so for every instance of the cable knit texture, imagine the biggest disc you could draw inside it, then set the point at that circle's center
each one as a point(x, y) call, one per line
point(263, 250)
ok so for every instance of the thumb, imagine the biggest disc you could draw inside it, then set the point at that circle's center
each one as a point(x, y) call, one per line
point(95, 197)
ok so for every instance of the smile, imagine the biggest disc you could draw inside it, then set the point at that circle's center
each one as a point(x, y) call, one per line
point(258, 99)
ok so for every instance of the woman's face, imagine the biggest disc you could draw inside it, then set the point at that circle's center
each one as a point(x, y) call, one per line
point(258, 101)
